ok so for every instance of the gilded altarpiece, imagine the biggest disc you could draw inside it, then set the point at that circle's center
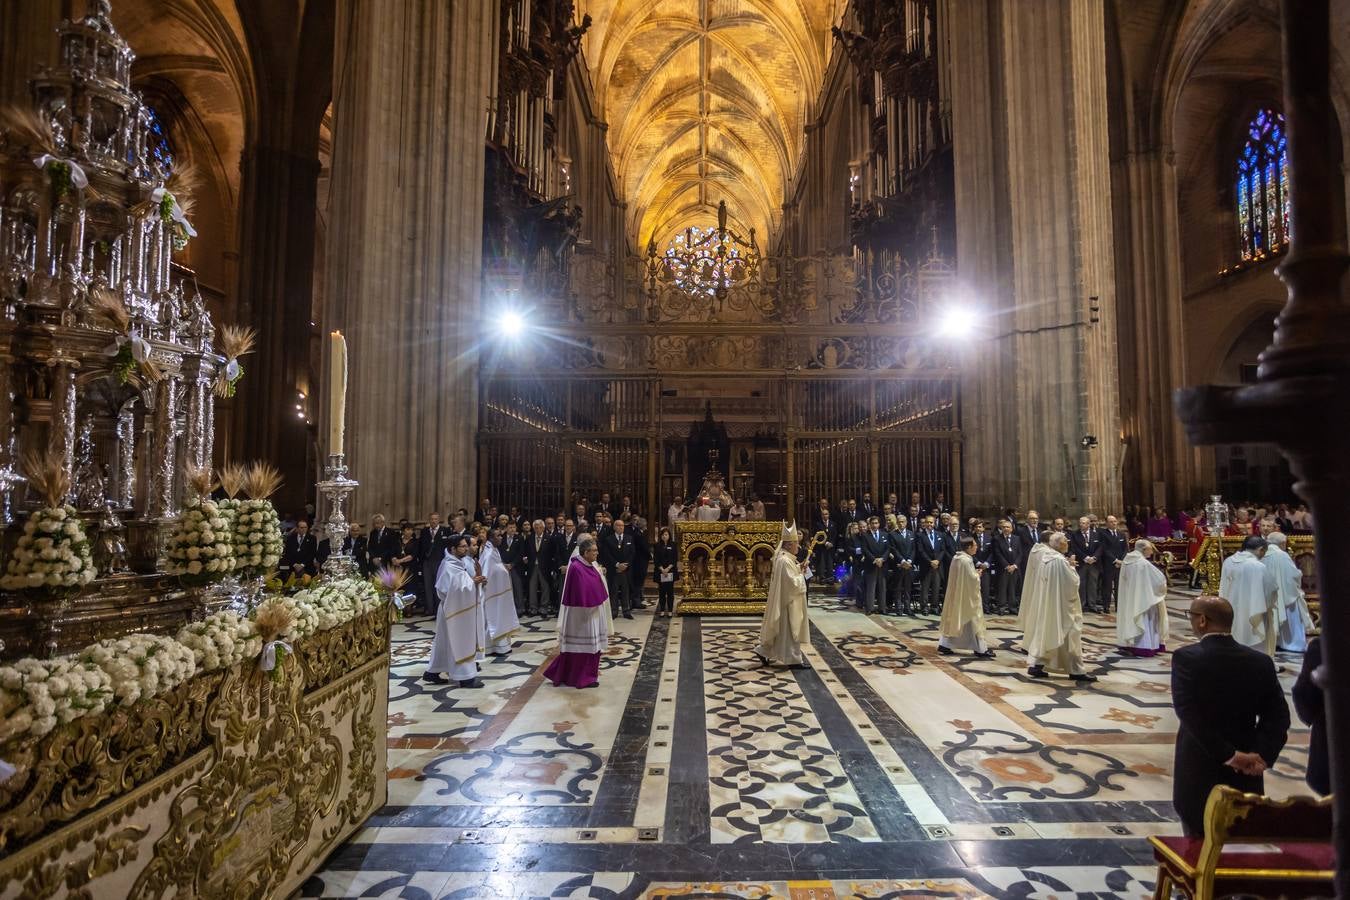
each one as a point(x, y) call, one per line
point(235, 784)
point(828, 365)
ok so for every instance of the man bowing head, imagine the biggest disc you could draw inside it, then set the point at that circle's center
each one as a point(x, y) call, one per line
point(962, 609)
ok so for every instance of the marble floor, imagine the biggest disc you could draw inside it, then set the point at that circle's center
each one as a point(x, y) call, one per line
point(883, 770)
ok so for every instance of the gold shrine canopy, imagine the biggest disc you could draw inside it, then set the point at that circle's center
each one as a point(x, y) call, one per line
point(725, 566)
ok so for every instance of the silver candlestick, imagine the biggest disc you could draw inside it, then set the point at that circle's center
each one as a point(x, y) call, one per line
point(9, 480)
point(335, 488)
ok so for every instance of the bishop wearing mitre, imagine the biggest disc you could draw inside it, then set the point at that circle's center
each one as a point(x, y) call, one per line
point(786, 627)
point(1052, 613)
point(962, 609)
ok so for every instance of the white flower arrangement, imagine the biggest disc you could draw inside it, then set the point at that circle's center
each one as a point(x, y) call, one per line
point(257, 538)
point(221, 640)
point(201, 548)
point(52, 554)
point(306, 615)
point(37, 695)
point(142, 665)
point(336, 602)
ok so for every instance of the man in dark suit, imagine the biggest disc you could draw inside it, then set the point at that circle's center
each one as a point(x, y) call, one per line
point(627, 509)
point(851, 514)
point(483, 515)
point(606, 504)
point(1085, 547)
point(564, 542)
point(381, 544)
point(914, 518)
point(537, 557)
point(1115, 544)
point(876, 548)
point(432, 544)
point(902, 568)
point(929, 551)
point(513, 545)
point(1007, 559)
point(354, 545)
point(642, 560)
point(984, 562)
point(300, 552)
point(1233, 716)
point(825, 560)
point(1029, 533)
point(866, 508)
point(1311, 708)
point(950, 531)
point(618, 552)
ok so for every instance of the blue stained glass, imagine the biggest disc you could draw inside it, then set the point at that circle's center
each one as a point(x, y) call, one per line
point(157, 141)
point(1262, 187)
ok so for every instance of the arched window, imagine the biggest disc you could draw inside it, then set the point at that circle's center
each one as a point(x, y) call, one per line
point(157, 141)
point(1263, 188)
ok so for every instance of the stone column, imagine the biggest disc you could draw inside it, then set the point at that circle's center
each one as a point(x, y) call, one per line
point(29, 29)
point(1152, 351)
point(411, 87)
point(1034, 244)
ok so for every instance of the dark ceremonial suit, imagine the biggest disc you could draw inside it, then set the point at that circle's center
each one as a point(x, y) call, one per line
point(1227, 698)
point(1007, 552)
point(876, 548)
point(902, 578)
point(1084, 544)
point(1115, 544)
point(930, 547)
point(619, 549)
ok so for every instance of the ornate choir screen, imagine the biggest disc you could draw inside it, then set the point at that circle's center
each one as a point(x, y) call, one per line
point(795, 378)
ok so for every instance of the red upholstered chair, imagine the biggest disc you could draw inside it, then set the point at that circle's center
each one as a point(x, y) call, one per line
point(1253, 846)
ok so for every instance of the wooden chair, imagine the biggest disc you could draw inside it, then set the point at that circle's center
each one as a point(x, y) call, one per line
point(1252, 846)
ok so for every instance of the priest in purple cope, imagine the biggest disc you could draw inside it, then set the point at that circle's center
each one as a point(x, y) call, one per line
point(583, 621)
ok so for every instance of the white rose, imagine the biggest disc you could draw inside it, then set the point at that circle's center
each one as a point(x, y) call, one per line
point(72, 528)
point(58, 513)
point(193, 552)
point(194, 568)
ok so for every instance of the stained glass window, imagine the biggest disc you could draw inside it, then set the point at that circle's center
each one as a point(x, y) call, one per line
point(157, 140)
point(1263, 187)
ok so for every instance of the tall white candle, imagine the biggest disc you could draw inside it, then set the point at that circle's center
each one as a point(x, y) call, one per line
point(337, 390)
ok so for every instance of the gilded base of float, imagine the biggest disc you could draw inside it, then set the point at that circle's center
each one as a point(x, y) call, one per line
point(720, 608)
point(232, 785)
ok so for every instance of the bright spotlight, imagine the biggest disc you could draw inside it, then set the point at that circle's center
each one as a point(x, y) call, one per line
point(957, 322)
point(511, 324)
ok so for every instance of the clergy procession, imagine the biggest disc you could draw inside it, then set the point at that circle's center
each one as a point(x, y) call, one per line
point(923, 561)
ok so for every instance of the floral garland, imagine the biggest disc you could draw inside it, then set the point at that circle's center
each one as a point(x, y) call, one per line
point(229, 511)
point(38, 695)
point(200, 549)
point(339, 601)
point(257, 538)
point(221, 640)
point(142, 665)
point(52, 554)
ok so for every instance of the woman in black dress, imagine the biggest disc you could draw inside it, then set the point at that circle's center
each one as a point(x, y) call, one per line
point(409, 559)
point(665, 569)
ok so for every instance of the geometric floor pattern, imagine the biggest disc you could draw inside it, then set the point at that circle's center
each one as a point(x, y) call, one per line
point(882, 770)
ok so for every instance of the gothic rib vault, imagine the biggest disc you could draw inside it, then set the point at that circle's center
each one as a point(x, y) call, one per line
point(706, 101)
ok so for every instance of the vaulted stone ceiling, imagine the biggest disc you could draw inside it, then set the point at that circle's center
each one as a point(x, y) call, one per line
point(706, 101)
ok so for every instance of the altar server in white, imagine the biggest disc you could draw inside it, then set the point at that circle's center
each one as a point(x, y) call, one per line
point(499, 605)
point(962, 607)
point(1250, 589)
point(786, 626)
point(461, 628)
point(1141, 603)
point(1053, 614)
point(1291, 608)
